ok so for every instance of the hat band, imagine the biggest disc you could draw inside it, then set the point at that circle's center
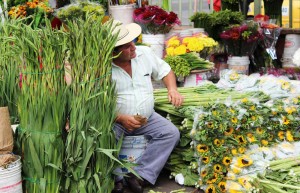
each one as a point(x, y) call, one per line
point(124, 35)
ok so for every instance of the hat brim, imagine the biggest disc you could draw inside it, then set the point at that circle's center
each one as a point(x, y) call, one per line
point(133, 31)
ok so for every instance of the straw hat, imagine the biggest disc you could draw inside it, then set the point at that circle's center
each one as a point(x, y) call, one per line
point(127, 33)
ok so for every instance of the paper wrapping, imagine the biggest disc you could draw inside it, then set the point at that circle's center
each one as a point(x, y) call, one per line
point(6, 133)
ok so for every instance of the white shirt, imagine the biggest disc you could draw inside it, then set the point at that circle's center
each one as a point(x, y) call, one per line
point(135, 94)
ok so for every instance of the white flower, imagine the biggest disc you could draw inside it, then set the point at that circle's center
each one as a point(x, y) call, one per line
point(296, 58)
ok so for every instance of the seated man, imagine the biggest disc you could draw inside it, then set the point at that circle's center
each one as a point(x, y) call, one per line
point(132, 71)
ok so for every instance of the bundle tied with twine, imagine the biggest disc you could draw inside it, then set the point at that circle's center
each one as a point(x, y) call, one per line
point(6, 135)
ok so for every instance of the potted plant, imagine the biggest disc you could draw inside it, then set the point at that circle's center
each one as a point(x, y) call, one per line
point(155, 23)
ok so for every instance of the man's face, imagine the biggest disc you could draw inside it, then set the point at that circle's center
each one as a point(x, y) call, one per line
point(127, 51)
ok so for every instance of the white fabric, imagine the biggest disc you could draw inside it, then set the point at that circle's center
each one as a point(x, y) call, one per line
point(135, 94)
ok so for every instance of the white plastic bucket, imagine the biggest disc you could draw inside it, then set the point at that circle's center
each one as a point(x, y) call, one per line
point(156, 42)
point(10, 177)
point(123, 13)
point(132, 149)
point(291, 44)
point(239, 63)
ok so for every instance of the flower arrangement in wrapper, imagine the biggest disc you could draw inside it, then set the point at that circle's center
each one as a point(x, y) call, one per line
point(241, 40)
point(38, 10)
point(155, 20)
point(270, 34)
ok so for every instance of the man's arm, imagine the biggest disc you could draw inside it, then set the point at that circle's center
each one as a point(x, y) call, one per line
point(174, 96)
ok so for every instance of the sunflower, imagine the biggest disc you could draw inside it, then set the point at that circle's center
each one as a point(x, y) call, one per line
point(241, 150)
point(229, 131)
point(202, 148)
point(217, 142)
point(264, 142)
point(203, 173)
point(232, 110)
point(213, 179)
point(217, 168)
point(210, 189)
point(289, 110)
point(226, 161)
point(215, 113)
point(210, 125)
point(274, 113)
point(285, 120)
point(236, 170)
point(205, 159)
point(244, 181)
point(270, 137)
point(244, 100)
point(222, 186)
point(234, 120)
point(289, 136)
point(281, 135)
point(234, 151)
point(251, 137)
point(285, 85)
point(244, 161)
point(253, 118)
point(252, 108)
point(259, 130)
point(241, 139)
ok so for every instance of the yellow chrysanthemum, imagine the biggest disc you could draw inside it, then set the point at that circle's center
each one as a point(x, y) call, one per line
point(244, 100)
point(202, 148)
point(217, 142)
point(252, 108)
point(170, 51)
point(289, 136)
point(244, 161)
point(259, 130)
point(285, 120)
point(173, 42)
point(234, 151)
point(241, 150)
point(222, 186)
point(234, 120)
point(229, 131)
point(217, 168)
point(194, 45)
point(264, 142)
point(180, 50)
point(226, 161)
point(281, 135)
point(205, 160)
point(210, 189)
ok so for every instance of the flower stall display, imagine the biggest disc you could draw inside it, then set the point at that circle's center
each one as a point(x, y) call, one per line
point(155, 23)
point(38, 10)
point(224, 131)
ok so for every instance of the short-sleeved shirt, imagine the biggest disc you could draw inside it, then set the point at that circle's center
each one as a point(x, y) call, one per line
point(135, 94)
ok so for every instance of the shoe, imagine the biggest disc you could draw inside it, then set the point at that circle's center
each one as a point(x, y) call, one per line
point(134, 183)
point(118, 187)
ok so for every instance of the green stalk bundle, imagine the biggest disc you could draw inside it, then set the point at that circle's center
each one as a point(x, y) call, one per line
point(41, 106)
point(91, 146)
point(8, 72)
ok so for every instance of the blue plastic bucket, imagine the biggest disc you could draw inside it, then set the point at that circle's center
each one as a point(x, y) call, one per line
point(132, 149)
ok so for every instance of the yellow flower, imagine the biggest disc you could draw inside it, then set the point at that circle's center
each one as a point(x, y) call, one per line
point(251, 137)
point(234, 120)
point(217, 168)
point(289, 110)
point(281, 135)
point(170, 51)
point(241, 139)
point(259, 130)
point(264, 142)
point(173, 42)
point(210, 189)
point(180, 50)
point(203, 173)
point(274, 113)
point(244, 181)
point(232, 110)
point(214, 113)
point(285, 120)
point(229, 131)
point(226, 161)
point(202, 148)
point(253, 118)
point(210, 125)
point(270, 138)
point(244, 161)
point(285, 85)
point(289, 136)
point(234, 187)
point(234, 151)
point(222, 186)
point(205, 160)
point(241, 150)
point(236, 170)
point(295, 100)
point(213, 179)
point(234, 76)
point(217, 142)
point(244, 100)
point(252, 108)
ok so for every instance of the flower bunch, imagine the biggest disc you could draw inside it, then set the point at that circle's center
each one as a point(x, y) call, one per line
point(177, 46)
point(224, 131)
point(241, 40)
point(37, 8)
point(155, 20)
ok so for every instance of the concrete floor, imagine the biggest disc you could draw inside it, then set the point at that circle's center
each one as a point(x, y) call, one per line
point(166, 185)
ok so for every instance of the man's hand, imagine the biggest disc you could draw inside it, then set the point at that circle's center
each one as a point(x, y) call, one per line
point(175, 98)
point(129, 122)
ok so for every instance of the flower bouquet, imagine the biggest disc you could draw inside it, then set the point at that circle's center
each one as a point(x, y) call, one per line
point(155, 20)
point(241, 40)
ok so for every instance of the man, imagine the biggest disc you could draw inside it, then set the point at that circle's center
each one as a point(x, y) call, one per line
point(132, 70)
